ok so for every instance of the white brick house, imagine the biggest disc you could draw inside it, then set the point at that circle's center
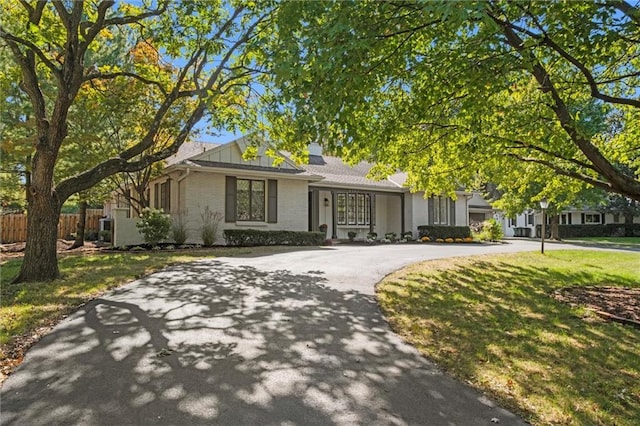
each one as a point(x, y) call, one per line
point(262, 195)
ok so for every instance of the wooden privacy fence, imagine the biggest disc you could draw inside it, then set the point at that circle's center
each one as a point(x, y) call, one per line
point(13, 227)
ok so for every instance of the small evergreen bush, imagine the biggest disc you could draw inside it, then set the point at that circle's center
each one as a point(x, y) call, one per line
point(154, 225)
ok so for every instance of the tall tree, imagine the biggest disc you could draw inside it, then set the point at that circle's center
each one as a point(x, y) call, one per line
point(448, 91)
point(58, 44)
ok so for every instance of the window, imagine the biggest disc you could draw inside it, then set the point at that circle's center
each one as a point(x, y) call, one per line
point(250, 200)
point(530, 219)
point(512, 222)
point(591, 218)
point(440, 211)
point(353, 208)
point(616, 217)
point(165, 196)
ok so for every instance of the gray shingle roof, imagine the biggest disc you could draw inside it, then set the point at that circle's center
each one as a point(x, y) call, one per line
point(204, 163)
point(188, 150)
point(336, 172)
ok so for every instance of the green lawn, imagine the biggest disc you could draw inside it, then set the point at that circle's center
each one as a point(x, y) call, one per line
point(631, 241)
point(27, 307)
point(490, 321)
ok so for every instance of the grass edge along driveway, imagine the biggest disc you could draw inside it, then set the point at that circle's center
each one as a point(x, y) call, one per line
point(490, 321)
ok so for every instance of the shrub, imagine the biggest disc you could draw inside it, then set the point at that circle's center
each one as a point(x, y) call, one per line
point(438, 231)
point(179, 230)
point(391, 236)
point(372, 236)
point(408, 235)
point(105, 236)
point(491, 231)
point(210, 224)
point(606, 230)
point(352, 235)
point(154, 225)
point(255, 237)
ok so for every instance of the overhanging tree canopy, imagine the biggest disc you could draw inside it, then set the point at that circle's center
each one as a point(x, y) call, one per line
point(460, 92)
point(60, 49)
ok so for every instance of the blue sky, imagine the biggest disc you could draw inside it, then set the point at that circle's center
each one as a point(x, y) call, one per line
point(224, 136)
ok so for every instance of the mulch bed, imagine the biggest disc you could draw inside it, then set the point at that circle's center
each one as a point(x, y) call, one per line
point(16, 250)
point(618, 304)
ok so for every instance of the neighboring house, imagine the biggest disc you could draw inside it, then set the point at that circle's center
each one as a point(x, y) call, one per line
point(524, 225)
point(265, 195)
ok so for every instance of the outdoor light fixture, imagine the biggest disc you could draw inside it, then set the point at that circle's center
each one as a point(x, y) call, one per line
point(543, 205)
point(326, 202)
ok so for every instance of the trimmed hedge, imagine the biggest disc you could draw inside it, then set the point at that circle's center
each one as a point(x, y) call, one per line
point(256, 237)
point(606, 230)
point(436, 231)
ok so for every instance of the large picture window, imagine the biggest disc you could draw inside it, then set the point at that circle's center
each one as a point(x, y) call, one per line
point(440, 211)
point(353, 208)
point(591, 218)
point(250, 200)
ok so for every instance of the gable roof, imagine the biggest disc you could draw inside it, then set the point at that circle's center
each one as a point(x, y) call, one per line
point(188, 150)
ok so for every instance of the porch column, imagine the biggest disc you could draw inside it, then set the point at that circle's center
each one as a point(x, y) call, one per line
point(334, 215)
point(402, 214)
point(314, 208)
point(371, 219)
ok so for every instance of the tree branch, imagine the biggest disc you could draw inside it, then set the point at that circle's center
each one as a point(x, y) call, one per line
point(586, 73)
point(109, 76)
point(572, 174)
point(8, 37)
point(125, 20)
point(619, 182)
point(630, 11)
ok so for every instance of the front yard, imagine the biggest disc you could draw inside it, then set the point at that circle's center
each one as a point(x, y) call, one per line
point(492, 321)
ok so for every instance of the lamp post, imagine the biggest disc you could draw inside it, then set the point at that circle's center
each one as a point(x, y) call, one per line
point(543, 205)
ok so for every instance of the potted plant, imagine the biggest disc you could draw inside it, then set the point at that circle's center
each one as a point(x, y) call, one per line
point(324, 227)
point(352, 235)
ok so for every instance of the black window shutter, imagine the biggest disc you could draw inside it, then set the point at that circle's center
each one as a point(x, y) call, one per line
point(230, 199)
point(569, 218)
point(167, 196)
point(430, 210)
point(452, 212)
point(602, 221)
point(272, 202)
point(372, 200)
point(156, 195)
point(582, 217)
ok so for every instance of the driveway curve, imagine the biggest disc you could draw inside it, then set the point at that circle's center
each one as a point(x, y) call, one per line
point(293, 338)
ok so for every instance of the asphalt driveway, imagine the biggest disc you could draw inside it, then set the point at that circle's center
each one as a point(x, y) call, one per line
point(292, 338)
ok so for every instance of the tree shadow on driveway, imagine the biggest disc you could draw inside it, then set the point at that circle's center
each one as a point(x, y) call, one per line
point(210, 343)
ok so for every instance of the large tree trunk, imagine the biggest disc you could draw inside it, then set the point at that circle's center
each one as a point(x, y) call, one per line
point(40, 262)
point(79, 242)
